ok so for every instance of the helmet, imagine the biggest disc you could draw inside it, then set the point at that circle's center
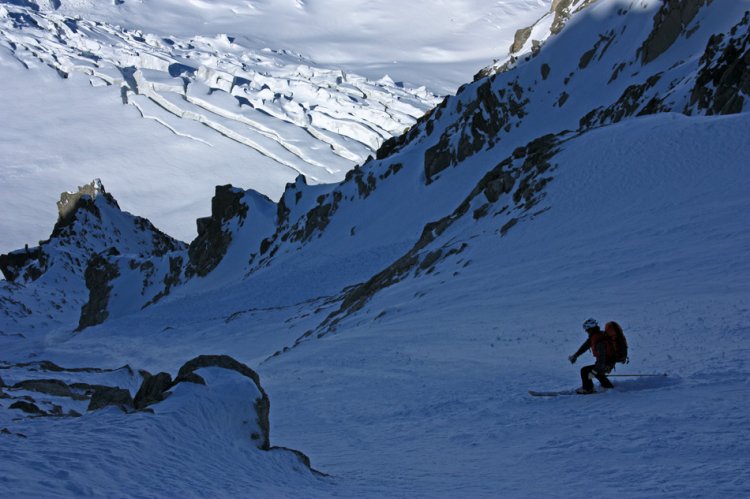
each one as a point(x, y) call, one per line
point(590, 324)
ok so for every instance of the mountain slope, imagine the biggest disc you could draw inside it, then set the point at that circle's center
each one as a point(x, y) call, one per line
point(268, 115)
point(224, 92)
point(403, 313)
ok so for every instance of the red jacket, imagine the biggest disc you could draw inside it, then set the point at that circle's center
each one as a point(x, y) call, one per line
point(601, 348)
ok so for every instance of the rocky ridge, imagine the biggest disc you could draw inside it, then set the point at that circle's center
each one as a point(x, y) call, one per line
point(529, 40)
point(92, 243)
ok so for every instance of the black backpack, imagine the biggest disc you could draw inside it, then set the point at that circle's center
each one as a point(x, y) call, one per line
point(617, 339)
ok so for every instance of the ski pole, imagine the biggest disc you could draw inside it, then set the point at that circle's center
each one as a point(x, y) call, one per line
point(662, 375)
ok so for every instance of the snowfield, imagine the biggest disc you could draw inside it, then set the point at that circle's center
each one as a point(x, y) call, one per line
point(398, 318)
point(420, 41)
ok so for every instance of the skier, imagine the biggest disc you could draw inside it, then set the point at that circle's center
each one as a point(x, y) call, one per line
point(602, 350)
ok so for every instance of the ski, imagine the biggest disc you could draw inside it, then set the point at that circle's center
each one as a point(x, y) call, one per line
point(559, 393)
point(534, 393)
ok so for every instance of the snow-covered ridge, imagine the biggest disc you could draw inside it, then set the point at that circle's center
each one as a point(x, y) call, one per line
point(92, 243)
point(310, 119)
point(515, 120)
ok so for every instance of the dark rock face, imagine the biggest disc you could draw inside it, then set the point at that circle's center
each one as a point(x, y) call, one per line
point(438, 157)
point(365, 185)
point(599, 49)
point(152, 390)
point(190, 378)
point(207, 250)
point(526, 171)
point(106, 396)
point(262, 405)
point(669, 23)
point(318, 218)
point(27, 407)
point(724, 74)
point(481, 122)
point(100, 272)
point(545, 69)
point(87, 388)
point(292, 195)
point(49, 386)
point(498, 185)
point(46, 365)
point(171, 279)
point(632, 102)
point(12, 264)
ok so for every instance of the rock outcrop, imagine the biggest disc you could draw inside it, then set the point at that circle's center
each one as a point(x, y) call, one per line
point(215, 232)
point(27, 407)
point(54, 387)
point(152, 390)
point(91, 199)
point(560, 11)
point(100, 272)
point(91, 245)
point(670, 22)
point(262, 405)
point(83, 199)
point(520, 39)
point(723, 82)
point(518, 181)
point(563, 9)
point(479, 125)
point(31, 261)
point(107, 396)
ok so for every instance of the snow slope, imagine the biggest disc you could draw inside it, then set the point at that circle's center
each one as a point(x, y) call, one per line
point(428, 384)
point(399, 317)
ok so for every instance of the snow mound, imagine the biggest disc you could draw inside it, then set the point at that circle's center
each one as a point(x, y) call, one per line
point(217, 421)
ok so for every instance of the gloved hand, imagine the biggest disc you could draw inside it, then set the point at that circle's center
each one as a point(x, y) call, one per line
point(593, 374)
point(572, 359)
